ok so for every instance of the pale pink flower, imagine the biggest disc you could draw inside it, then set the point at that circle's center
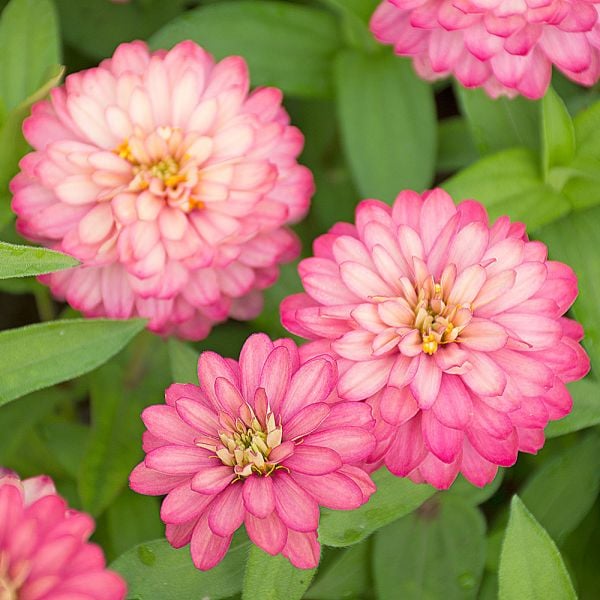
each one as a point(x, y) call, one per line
point(258, 443)
point(451, 328)
point(507, 48)
point(169, 181)
point(44, 552)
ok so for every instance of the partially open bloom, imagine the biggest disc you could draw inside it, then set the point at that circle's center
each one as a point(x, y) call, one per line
point(260, 442)
point(169, 181)
point(452, 329)
point(507, 48)
point(44, 551)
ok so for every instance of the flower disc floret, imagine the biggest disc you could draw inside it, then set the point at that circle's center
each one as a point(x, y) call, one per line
point(451, 329)
point(261, 442)
point(506, 47)
point(169, 181)
point(44, 551)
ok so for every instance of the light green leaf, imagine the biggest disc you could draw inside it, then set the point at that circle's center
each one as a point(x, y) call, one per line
point(388, 123)
point(522, 196)
point(29, 46)
point(287, 46)
point(184, 361)
point(41, 355)
point(586, 409)
point(587, 131)
point(274, 577)
point(155, 570)
point(558, 133)
point(436, 552)
point(530, 564)
point(347, 576)
point(394, 498)
point(562, 491)
point(575, 240)
point(499, 124)
point(22, 261)
point(456, 148)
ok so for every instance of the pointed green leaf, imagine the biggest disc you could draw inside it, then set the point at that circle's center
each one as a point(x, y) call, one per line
point(394, 498)
point(23, 261)
point(530, 564)
point(41, 355)
point(388, 123)
point(274, 577)
point(558, 133)
point(586, 409)
point(184, 361)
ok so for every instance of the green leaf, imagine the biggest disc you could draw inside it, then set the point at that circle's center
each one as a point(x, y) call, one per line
point(530, 564)
point(587, 131)
point(456, 148)
point(394, 498)
point(22, 261)
point(133, 519)
point(562, 491)
point(155, 570)
point(346, 577)
point(41, 355)
point(184, 361)
point(388, 123)
point(586, 409)
point(436, 552)
point(575, 240)
point(558, 133)
point(118, 394)
point(522, 196)
point(29, 45)
point(287, 46)
point(67, 441)
point(499, 124)
point(363, 9)
point(473, 494)
point(274, 577)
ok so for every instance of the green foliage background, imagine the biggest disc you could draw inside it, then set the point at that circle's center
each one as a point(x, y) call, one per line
point(71, 390)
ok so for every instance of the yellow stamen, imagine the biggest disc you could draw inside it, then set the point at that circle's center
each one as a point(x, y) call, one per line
point(430, 344)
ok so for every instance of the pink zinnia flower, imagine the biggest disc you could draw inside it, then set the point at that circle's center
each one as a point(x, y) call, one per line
point(169, 182)
point(44, 551)
point(261, 443)
point(507, 48)
point(451, 328)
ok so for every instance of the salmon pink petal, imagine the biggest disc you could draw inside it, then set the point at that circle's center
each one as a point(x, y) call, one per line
point(363, 379)
point(307, 420)
point(302, 549)
point(207, 548)
point(178, 460)
point(352, 444)
point(269, 533)
point(183, 504)
point(227, 511)
point(332, 490)
point(213, 479)
point(295, 507)
point(313, 460)
point(259, 496)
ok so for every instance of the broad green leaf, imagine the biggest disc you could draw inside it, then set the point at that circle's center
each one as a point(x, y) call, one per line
point(97, 28)
point(501, 123)
point(184, 361)
point(575, 240)
point(394, 498)
point(582, 192)
point(587, 131)
point(287, 46)
point(346, 577)
point(155, 570)
point(530, 564)
point(22, 261)
point(363, 9)
point(562, 491)
point(558, 132)
point(133, 519)
point(586, 409)
point(274, 577)
point(522, 196)
point(388, 124)
point(68, 441)
point(471, 493)
point(455, 148)
point(119, 393)
point(438, 551)
point(29, 46)
point(41, 355)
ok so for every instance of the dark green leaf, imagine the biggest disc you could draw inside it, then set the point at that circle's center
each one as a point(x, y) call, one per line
point(456, 148)
point(22, 261)
point(184, 361)
point(155, 570)
point(499, 124)
point(436, 552)
point(41, 355)
point(287, 46)
point(563, 490)
point(394, 498)
point(558, 133)
point(586, 409)
point(387, 119)
point(274, 577)
point(67, 441)
point(530, 564)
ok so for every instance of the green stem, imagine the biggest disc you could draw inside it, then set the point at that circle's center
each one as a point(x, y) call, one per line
point(44, 304)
